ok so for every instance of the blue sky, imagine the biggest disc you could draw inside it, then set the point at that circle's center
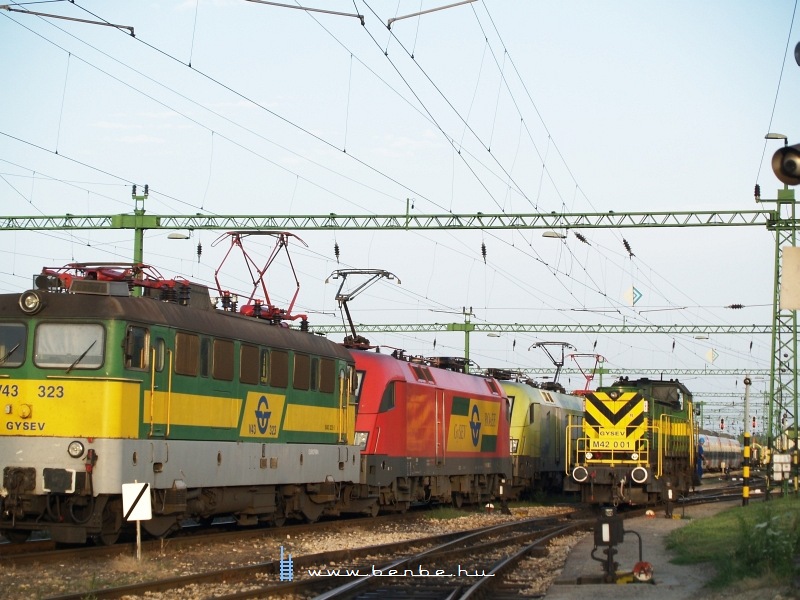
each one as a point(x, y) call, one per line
point(485, 107)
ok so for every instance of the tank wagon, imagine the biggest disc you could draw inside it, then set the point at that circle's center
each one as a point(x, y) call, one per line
point(722, 453)
point(636, 443)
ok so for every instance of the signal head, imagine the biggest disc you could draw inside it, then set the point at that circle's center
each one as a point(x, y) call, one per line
point(786, 164)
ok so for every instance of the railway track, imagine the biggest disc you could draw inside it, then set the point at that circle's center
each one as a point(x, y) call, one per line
point(423, 567)
point(480, 555)
point(45, 551)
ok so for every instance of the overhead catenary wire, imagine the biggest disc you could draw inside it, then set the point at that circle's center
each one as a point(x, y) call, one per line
point(600, 286)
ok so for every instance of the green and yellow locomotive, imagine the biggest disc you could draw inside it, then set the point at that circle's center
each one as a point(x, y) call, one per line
point(219, 412)
point(635, 445)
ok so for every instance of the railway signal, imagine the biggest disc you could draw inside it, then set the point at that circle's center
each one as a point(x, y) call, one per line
point(786, 164)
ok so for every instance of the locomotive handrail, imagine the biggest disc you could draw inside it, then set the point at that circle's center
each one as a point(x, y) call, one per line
point(583, 444)
point(152, 388)
point(568, 437)
point(344, 407)
point(169, 390)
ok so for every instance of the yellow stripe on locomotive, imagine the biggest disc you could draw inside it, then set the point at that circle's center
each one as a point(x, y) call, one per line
point(71, 408)
point(109, 408)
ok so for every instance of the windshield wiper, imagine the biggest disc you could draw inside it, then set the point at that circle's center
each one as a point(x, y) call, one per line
point(4, 358)
point(82, 356)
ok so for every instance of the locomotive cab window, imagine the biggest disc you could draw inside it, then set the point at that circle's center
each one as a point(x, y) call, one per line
point(12, 344)
point(668, 395)
point(359, 384)
point(136, 348)
point(69, 346)
point(160, 348)
point(387, 400)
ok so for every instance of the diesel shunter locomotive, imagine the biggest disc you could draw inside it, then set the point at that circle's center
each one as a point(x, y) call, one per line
point(635, 445)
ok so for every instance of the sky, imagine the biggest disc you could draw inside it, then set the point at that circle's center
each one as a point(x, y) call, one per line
point(233, 107)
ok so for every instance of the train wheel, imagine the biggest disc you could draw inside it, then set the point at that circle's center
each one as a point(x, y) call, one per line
point(112, 525)
point(278, 518)
point(106, 538)
point(16, 536)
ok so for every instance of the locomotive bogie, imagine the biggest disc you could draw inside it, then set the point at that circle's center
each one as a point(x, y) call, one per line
point(187, 478)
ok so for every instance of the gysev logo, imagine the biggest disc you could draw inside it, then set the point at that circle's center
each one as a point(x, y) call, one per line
point(473, 425)
point(262, 414)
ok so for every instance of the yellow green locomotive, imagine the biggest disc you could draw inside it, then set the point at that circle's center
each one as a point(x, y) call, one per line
point(539, 417)
point(220, 413)
point(636, 443)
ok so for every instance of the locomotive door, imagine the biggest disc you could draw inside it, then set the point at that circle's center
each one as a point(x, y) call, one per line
point(160, 392)
point(441, 427)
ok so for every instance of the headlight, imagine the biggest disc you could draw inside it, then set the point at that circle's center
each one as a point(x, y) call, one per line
point(31, 302)
point(75, 449)
point(589, 456)
point(514, 446)
point(635, 456)
point(360, 439)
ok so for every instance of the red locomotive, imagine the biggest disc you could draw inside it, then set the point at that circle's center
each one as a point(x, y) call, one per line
point(429, 434)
